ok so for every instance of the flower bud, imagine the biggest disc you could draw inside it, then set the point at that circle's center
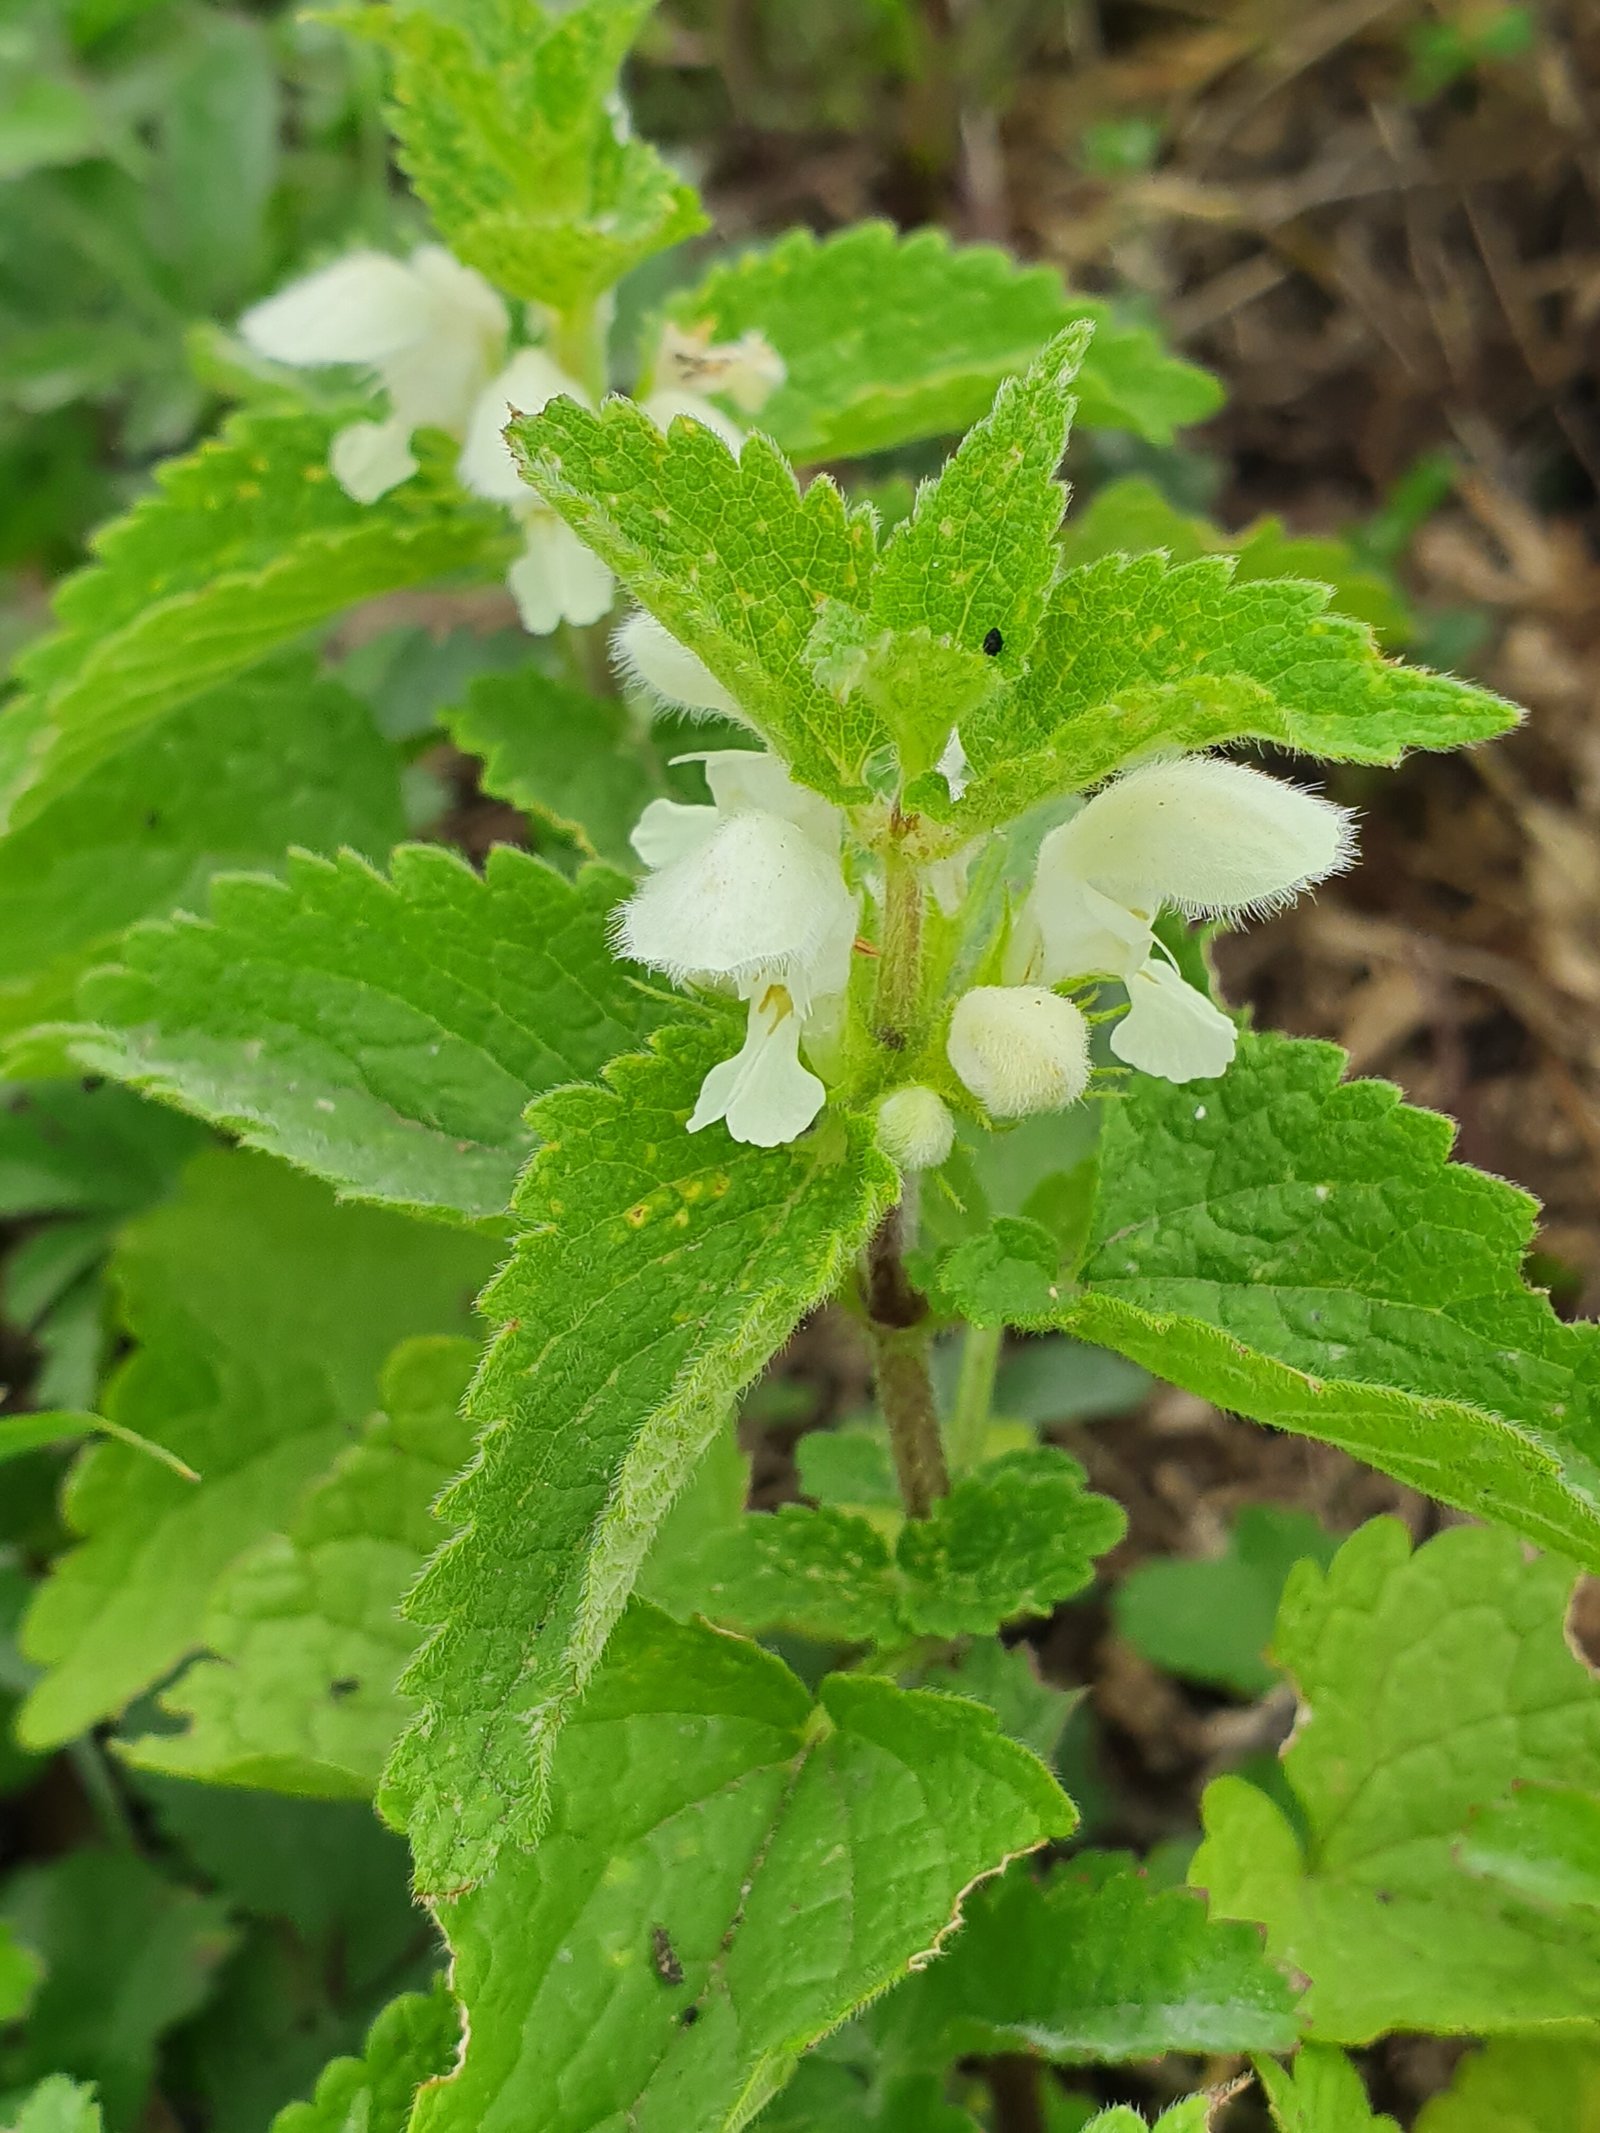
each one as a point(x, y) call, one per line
point(653, 659)
point(915, 1129)
point(1019, 1049)
point(1216, 838)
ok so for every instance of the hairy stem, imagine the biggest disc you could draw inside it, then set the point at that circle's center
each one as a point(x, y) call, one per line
point(900, 954)
point(897, 1323)
point(980, 1359)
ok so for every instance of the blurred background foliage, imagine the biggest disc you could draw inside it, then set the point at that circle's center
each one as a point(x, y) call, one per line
point(1379, 222)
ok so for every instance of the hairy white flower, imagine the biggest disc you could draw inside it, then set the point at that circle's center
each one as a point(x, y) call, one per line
point(429, 330)
point(763, 1094)
point(1217, 839)
point(652, 658)
point(748, 893)
point(915, 1128)
point(556, 578)
point(1019, 1049)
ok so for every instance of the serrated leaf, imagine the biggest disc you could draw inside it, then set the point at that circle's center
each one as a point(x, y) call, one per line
point(1520, 2085)
point(1139, 654)
point(729, 554)
point(1132, 516)
point(655, 1274)
point(1301, 1249)
point(306, 1628)
point(718, 1843)
point(127, 1955)
point(385, 1034)
point(1093, 1963)
point(1193, 2114)
point(246, 543)
point(888, 339)
point(413, 2042)
point(1320, 2093)
point(1431, 1684)
point(505, 129)
point(270, 759)
point(58, 2105)
point(262, 1313)
point(1211, 1619)
point(1015, 1538)
point(978, 553)
point(570, 760)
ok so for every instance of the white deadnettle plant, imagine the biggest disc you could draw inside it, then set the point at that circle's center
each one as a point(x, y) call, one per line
point(434, 335)
point(748, 893)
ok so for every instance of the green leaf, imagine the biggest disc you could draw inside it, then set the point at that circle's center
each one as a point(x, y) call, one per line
point(1093, 1963)
point(126, 1954)
point(1431, 1684)
point(70, 1149)
point(1543, 1842)
point(978, 552)
point(1520, 2085)
point(718, 1844)
point(570, 760)
point(262, 1314)
point(656, 1273)
point(1015, 1538)
point(504, 127)
point(20, 1971)
point(58, 2105)
point(1132, 516)
point(1211, 1620)
point(889, 339)
point(1301, 1250)
point(270, 759)
point(1006, 1677)
point(385, 1034)
point(729, 555)
point(414, 2040)
point(306, 1627)
point(245, 544)
point(1140, 654)
point(1195, 2114)
point(1320, 2093)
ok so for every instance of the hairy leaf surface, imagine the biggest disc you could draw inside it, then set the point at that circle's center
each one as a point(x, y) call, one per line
point(306, 1627)
point(385, 1034)
point(1432, 1684)
point(1139, 654)
point(656, 1273)
point(262, 1313)
point(270, 759)
point(728, 1871)
point(246, 543)
point(887, 339)
point(1301, 1249)
point(729, 554)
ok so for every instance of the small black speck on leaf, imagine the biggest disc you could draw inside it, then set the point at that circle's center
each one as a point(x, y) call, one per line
point(346, 1685)
point(689, 2017)
point(662, 1955)
point(994, 643)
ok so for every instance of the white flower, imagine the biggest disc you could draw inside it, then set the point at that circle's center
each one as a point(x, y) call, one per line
point(1019, 1049)
point(689, 366)
point(653, 659)
point(1215, 838)
point(915, 1128)
point(748, 893)
point(556, 578)
point(428, 329)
